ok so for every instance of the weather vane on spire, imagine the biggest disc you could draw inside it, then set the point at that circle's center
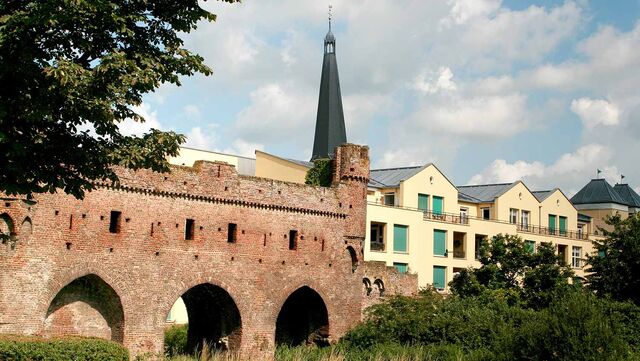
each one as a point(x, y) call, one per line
point(330, 7)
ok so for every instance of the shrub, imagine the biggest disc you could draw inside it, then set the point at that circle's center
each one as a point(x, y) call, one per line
point(321, 174)
point(19, 348)
point(175, 340)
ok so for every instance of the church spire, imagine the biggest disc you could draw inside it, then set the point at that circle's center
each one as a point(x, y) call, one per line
point(330, 129)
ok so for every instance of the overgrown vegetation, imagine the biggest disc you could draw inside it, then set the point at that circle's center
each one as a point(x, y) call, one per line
point(321, 174)
point(19, 348)
point(175, 340)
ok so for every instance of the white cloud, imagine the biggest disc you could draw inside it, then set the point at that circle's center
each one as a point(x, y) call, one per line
point(486, 116)
point(425, 82)
point(567, 172)
point(131, 127)
point(594, 112)
point(463, 10)
point(241, 47)
point(196, 138)
point(244, 148)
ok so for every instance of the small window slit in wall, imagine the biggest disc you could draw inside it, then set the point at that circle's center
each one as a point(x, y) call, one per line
point(232, 233)
point(189, 229)
point(264, 240)
point(68, 245)
point(114, 222)
point(322, 246)
point(57, 212)
point(84, 216)
point(152, 229)
point(71, 221)
point(293, 240)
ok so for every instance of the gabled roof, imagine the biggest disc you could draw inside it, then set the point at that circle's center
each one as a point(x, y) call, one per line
point(485, 193)
point(542, 195)
point(391, 177)
point(597, 191)
point(630, 197)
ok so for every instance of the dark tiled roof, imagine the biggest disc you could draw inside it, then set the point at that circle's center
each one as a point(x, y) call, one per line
point(391, 177)
point(542, 195)
point(466, 198)
point(630, 197)
point(485, 193)
point(597, 191)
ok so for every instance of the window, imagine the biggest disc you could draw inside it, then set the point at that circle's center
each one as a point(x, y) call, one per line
point(513, 216)
point(480, 238)
point(576, 257)
point(400, 238)
point(439, 243)
point(232, 233)
point(390, 199)
point(552, 224)
point(530, 246)
point(562, 252)
point(525, 216)
point(293, 240)
point(563, 225)
point(423, 202)
point(188, 229)
point(486, 213)
point(401, 267)
point(114, 222)
point(459, 245)
point(377, 236)
point(464, 214)
point(580, 230)
point(437, 205)
point(439, 277)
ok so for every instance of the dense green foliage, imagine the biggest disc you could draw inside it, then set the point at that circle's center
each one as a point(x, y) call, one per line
point(321, 174)
point(175, 340)
point(575, 326)
point(72, 67)
point(521, 274)
point(615, 268)
point(19, 348)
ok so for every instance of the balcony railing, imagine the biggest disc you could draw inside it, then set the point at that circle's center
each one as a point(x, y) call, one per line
point(546, 231)
point(445, 217)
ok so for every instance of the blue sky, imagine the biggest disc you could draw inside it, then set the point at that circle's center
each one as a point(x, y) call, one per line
point(489, 90)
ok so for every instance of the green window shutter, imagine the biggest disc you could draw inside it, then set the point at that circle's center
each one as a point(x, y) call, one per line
point(601, 253)
point(563, 226)
point(439, 242)
point(399, 238)
point(530, 246)
point(552, 224)
point(439, 276)
point(401, 267)
point(423, 202)
point(437, 205)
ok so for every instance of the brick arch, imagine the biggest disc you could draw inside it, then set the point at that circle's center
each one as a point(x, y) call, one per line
point(303, 318)
point(86, 306)
point(59, 281)
point(202, 293)
point(6, 218)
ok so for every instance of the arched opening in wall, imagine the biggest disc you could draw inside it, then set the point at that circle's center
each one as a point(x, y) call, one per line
point(367, 285)
point(354, 258)
point(88, 306)
point(379, 286)
point(6, 228)
point(25, 230)
point(211, 317)
point(303, 319)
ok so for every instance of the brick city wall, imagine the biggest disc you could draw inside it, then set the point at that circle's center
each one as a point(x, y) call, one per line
point(75, 267)
point(380, 280)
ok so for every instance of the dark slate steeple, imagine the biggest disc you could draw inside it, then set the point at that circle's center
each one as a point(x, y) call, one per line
point(330, 129)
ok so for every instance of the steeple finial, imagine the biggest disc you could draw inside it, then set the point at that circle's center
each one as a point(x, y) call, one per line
point(330, 8)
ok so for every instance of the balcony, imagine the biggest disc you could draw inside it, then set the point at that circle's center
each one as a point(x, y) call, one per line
point(546, 231)
point(445, 217)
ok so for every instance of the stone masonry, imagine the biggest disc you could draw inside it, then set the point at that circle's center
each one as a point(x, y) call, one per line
point(258, 262)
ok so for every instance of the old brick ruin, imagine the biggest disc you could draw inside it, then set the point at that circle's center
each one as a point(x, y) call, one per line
point(258, 262)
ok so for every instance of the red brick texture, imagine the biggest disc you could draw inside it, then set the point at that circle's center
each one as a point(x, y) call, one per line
point(65, 272)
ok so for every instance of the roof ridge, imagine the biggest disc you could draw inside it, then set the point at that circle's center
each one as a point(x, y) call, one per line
point(486, 185)
point(396, 168)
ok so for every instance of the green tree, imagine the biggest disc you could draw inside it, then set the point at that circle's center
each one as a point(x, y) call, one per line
point(67, 65)
point(509, 266)
point(321, 174)
point(614, 269)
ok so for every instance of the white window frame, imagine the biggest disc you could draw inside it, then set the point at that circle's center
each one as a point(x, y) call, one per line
point(524, 221)
point(576, 257)
point(488, 210)
point(513, 216)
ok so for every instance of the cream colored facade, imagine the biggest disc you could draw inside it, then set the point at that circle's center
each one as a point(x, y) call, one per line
point(273, 167)
point(464, 225)
point(188, 156)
